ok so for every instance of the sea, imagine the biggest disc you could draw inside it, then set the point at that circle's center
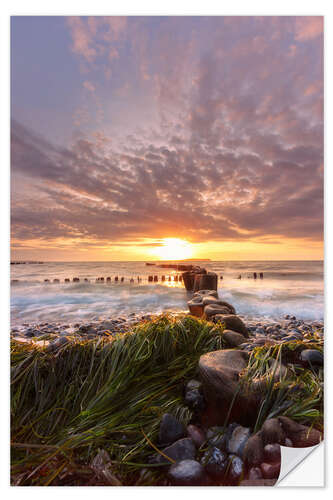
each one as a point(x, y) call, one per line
point(287, 287)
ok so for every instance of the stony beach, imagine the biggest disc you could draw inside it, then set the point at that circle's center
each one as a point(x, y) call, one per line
point(195, 398)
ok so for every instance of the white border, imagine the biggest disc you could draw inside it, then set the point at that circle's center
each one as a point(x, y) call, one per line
point(147, 7)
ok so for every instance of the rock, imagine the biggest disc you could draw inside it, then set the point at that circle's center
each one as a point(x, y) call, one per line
point(254, 450)
point(235, 470)
point(219, 371)
point(272, 453)
point(205, 293)
point(170, 429)
point(272, 432)
point(255, 473)
point(194, 385)
point(312, 357)
point(197, 435)
point(183, 449)
point(215, 462)
point(300, 435)
point(196, 308)
point(194, 400)
point(217, 437)
point(187, 473)
point(210, 300)
point(212, 309)
point(232, 322)
point(53, 346)
point(233, 339)
point(238, 440)
point(270, 471)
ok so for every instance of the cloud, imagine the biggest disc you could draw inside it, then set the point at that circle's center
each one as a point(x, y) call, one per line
point(219, 136)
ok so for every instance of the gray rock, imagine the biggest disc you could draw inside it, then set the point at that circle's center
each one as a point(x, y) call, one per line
point(238, 440)
point(183, 449)
point(197, 435)
point(232, 322)
point(215, 462)
point(312, 357)
point(235, 470)
point(187, 473)
point(170, 429)
point(233, 339)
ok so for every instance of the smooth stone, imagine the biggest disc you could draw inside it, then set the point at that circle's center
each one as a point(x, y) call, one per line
point(215, 462)
point(219, 372)
point(170, 429)
point(300, 435)
point(210, 300)
point(255, 473)
point(233, 339)
point(238, 440)
point(254, 450)
point(187, 473)
point(56, 344)
point(213, 309)
point(272, 432)
point(272, 452)
point(312, 357)
point(183, 449)
point(270, 471)
point(197, 435)
point(232, 322)
point(235, 470)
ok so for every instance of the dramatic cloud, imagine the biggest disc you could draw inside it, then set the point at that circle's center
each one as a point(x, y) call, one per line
point(209, 129)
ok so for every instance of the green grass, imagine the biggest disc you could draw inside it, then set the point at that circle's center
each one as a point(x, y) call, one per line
point(101, 394)
point(297, 394)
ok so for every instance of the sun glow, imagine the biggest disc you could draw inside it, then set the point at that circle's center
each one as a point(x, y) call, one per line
point(173, 249)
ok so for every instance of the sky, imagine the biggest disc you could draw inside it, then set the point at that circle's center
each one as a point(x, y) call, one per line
point(128, 133)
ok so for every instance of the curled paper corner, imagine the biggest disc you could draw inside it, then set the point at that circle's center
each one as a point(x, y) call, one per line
point(302, 466)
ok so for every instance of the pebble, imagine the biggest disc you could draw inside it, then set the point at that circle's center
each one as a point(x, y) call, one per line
point(187, 473)
point(215, 462)
point(170, 429)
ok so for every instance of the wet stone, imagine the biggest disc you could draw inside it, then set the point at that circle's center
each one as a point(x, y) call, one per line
point(195, 400)
point(235, 469)
point(197, 435)
point(215, 462)
point(187, 473)
point(238, 440)
point(183, 449)
point(312, 357)
point(170, 429)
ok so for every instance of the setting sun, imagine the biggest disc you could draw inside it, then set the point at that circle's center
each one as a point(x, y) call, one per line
point(173, 249)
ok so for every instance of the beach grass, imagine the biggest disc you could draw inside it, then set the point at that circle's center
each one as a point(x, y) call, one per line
point(105, 394)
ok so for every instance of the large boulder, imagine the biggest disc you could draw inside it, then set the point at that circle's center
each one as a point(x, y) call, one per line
point(220, 372)
point(208, 300)
point(231, 322)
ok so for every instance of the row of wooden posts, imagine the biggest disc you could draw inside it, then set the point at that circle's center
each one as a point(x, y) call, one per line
point(117, 279)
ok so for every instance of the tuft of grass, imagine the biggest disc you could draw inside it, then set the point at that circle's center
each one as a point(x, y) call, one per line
point(298, 393)
point(108, 393)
